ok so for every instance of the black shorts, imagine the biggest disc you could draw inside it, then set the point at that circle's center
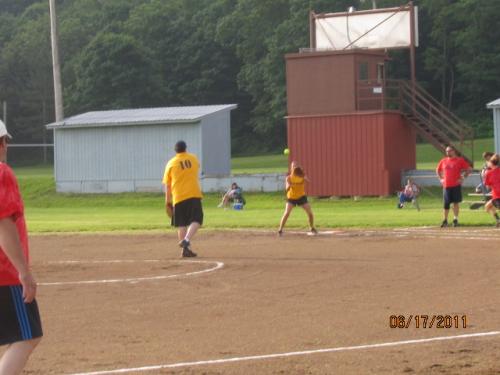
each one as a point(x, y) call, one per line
point(452, 195)
point(298, 202)
point(19, 321)
point(187, 212)
point(496, 202)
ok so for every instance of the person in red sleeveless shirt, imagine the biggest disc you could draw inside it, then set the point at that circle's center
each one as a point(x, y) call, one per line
point(492, 180)
point(452, 170)
point(20, 325)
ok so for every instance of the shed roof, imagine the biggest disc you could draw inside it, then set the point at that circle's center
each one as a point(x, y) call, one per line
point(141, 116)
point(494, 104)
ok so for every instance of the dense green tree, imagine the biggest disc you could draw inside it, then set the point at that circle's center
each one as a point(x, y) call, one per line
point(15, 7)
point(196, 69)
point(26, 73)
point(477, 52)
point(114, 72)
point(130, 53)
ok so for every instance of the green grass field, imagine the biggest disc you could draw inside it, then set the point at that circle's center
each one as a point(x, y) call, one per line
point(47, 211)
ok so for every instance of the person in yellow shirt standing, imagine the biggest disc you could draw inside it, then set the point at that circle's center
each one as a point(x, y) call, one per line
point(296, 196)
point(183, 196)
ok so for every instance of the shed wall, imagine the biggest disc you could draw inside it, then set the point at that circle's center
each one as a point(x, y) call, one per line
point(320, 84)
point(496, 124)
point(216, 149)
point(352, 154)
point(400, 147)
point(119, 153)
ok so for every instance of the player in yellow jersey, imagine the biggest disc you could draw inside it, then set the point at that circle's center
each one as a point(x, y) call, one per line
point(296, 196)
point(183, 196)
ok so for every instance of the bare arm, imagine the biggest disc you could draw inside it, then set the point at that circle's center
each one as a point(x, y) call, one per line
point(287, 183)
point(467, 172)
point(168, 201)
point(168, 194)
point(11, 245)
point(439, 173)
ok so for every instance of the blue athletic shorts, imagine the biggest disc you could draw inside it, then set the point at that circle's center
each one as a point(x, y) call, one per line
point(452, 195)
point(19, 321)
point(496, 203)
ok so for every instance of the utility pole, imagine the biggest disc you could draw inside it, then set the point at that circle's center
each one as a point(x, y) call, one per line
point(56, 68)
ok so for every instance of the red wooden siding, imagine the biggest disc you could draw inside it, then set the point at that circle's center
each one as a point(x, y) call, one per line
point(325, 82)
point(352, 154)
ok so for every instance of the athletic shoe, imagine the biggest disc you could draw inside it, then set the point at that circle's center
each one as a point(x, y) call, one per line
point(184, 244)
point(400, 205)
point(188, 253)
point(314, 231)
point(220, 205)
point(186, 249)
point(444, 224)
point(498, 223)
point(455, 222)
point(280, 233)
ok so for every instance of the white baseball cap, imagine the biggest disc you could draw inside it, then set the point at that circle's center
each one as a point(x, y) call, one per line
point(3, 130)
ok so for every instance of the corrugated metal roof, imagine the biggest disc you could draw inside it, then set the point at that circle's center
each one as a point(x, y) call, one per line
point(494, 104)
point(139, 116)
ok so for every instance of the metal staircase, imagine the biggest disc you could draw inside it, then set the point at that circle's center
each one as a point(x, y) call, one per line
point(433, 121)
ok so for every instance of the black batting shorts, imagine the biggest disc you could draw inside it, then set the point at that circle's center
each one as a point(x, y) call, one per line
point(19, 321)
point(187, 212)
point(496, 202)
point(452, 195)
point(298, 202)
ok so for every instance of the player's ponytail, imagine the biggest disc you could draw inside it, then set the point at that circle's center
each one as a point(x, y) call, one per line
point(298, 171)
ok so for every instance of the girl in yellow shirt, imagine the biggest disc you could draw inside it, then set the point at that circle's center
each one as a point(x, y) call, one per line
point(296, 196)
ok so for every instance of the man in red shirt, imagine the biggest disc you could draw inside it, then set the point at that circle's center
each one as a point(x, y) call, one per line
point(492, 180)
point(452, 170)
point(20, 326)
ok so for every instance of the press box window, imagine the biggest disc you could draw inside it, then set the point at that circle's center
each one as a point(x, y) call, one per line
point(363, 71)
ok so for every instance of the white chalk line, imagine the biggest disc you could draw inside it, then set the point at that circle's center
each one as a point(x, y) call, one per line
point(218, 265)
point(289, 354)
point(424, 232)
point(106, 261)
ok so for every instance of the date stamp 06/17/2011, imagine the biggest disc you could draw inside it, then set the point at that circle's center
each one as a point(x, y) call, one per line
point(428, 321)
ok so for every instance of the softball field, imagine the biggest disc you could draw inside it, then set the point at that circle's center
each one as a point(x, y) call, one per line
point(398, 301)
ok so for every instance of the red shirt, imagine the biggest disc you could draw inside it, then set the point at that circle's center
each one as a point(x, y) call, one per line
point(11, 205)
point(451, 169)
point(492, 179)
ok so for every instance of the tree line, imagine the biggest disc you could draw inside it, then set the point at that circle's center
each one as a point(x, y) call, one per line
point(144, 53)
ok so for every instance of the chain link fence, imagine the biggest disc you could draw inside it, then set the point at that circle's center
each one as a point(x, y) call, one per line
point(30, 155)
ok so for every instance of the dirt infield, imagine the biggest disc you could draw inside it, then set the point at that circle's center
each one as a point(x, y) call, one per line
point(265, 305)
